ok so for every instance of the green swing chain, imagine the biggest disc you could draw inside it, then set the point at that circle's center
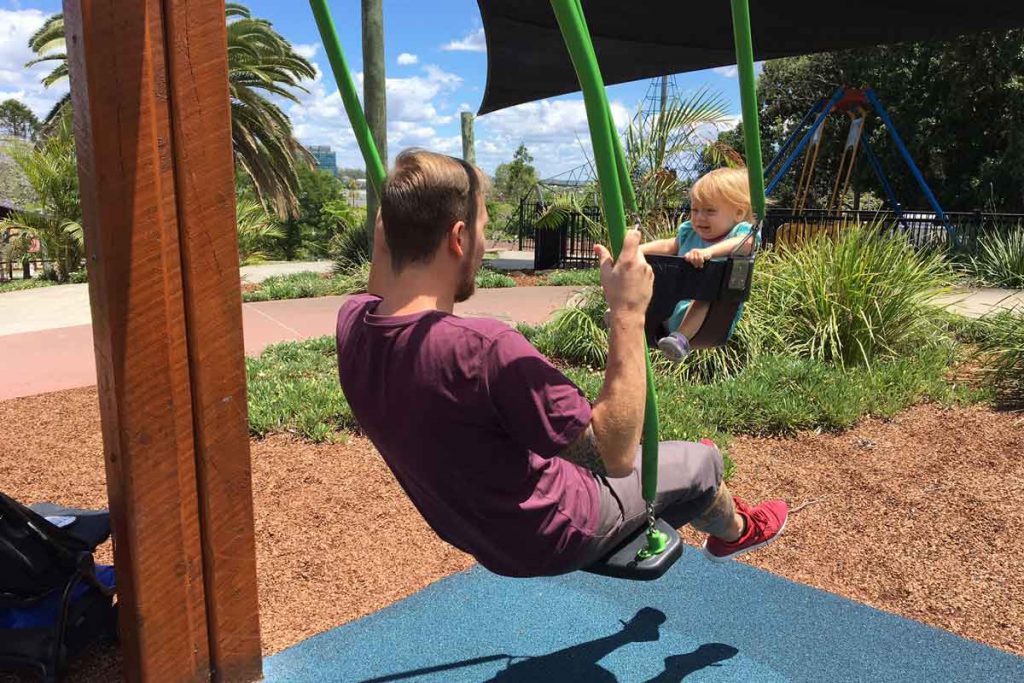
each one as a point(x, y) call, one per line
point(346, 86)
point(616, 188)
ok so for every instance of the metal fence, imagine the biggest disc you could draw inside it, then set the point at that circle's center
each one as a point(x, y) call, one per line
point(11, 270)
point(572, 245)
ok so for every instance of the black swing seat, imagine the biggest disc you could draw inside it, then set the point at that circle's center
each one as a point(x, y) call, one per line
point(622, 562)
point(724, 283)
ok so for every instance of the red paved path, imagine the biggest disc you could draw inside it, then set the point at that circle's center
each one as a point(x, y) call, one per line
point(62, 358)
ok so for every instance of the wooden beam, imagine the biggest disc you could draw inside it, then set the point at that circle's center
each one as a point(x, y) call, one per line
point(205, 189)
point(152, 129)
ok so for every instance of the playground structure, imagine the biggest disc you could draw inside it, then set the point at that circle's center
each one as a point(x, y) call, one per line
point(857, 105)
point(148, 84)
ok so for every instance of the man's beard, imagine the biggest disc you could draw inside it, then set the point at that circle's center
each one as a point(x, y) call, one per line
point(467, 286)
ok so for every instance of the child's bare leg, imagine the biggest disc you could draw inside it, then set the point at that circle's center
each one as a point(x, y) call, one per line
point(693, 319)
point(720, 519)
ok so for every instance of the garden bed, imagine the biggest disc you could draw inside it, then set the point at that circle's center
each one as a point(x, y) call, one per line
point(918, 516)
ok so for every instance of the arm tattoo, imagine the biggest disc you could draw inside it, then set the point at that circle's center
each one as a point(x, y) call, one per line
point(583, 451)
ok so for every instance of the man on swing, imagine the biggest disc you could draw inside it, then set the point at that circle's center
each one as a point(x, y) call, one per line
point(486, 437)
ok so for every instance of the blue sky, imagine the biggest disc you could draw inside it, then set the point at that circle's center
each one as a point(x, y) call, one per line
point(436, 67)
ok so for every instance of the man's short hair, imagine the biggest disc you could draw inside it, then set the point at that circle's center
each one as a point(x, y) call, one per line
point(423, 196)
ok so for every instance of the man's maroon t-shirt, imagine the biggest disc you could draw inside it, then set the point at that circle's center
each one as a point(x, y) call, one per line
point(469, 417)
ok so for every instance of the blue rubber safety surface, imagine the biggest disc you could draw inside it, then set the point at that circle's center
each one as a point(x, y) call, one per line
point(699, 622)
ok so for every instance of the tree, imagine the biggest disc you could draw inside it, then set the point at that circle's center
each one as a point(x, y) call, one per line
point(17, 120)
point(956, 106)
point(261, 63)
point(323, 213)
point(514, 179)
point(15, 189)
point(54, 218)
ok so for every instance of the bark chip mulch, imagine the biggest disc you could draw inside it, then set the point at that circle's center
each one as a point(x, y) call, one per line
point(919, 516)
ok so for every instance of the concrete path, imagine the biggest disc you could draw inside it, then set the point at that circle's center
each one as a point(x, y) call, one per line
point(46, 341)
point(45, 308)
point(260, 272)
point(46, 334)
point(511, 260)
point(976, 302)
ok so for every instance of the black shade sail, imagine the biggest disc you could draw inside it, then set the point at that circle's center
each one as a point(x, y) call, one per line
point(636, 39)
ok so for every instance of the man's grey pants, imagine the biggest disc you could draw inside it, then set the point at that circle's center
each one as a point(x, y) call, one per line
point(689, 475)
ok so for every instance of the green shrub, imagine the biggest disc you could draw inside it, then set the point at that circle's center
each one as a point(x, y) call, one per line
point(863, 297)
point(291, 286)
point(1000, 260)
point(350, 245)
point(293, 387)
point(780, 395)
point(308, 285)
point(19, 285)
point(1000, 339)
point(354, 279)
point(587, 277)
point(488, 278)
point(576, 333)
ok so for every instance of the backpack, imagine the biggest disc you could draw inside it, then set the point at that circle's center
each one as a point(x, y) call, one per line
point(54, 600)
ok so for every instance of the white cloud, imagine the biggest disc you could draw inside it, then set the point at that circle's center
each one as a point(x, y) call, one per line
point(307, 50)
point(16, 81)
point(555, 132)
point(727, 71)
point(473, 42)
point(407, 59)
point(415, 114)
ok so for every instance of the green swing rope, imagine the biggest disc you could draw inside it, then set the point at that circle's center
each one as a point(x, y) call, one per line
point(617, 187)
point(374, 168)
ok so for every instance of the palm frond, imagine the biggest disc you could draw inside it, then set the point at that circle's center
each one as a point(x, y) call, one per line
point(262, 64)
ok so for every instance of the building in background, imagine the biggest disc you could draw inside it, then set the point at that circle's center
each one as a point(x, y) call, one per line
point(326, 159)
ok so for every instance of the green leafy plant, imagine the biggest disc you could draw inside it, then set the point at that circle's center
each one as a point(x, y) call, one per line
point(20, 285)
point(999, 261)
point(862, 296)
point(487, 278)
point(584, 277)
point(293, 387)
point(55, 214)
point(349, 246)
point(256, 231)
point(1000, 340)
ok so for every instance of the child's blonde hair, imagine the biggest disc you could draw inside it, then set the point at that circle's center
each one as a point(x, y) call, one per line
point(730, 185)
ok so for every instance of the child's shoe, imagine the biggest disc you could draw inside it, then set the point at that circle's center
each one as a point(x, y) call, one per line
point(675, 346)
point(765, 523)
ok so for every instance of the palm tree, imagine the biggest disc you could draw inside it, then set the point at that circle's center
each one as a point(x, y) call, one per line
point(55, 216)
point(256, 230)
point(653, 146)
point(260, 63)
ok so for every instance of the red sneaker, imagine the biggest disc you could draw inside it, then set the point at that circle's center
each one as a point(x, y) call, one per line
point(764, 524)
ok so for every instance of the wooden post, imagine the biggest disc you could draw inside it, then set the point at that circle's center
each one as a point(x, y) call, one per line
point(374, 97)
point(468, 144)
point(152, 131)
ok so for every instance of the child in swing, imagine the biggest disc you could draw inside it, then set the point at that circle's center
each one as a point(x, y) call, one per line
point(720, 224)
